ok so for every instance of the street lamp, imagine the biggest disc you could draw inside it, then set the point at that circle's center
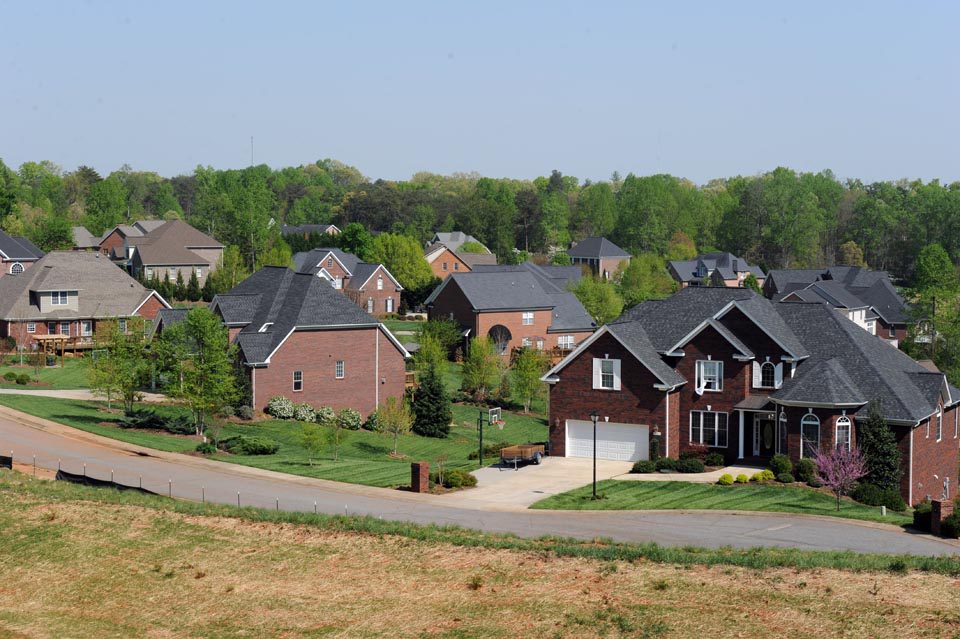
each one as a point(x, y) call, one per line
point(594, 417)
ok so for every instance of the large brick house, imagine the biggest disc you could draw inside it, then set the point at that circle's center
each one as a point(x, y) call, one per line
point(68, 293)
point(299, 338)
point(747, 377)
point(16, 254)
point(868, 298)
point(714, 269)
point(523, 305)
point(370, 286)
point(600, 254)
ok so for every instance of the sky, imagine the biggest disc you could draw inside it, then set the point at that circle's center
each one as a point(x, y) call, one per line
point(507, 89)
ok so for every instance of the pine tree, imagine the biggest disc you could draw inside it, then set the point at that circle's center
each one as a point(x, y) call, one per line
point(180, 290)
point(431, 406)
point(208, 291)
point(875, 439)
point(193, 287)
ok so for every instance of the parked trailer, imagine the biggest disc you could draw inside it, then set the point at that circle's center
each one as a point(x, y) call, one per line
point(524, 453)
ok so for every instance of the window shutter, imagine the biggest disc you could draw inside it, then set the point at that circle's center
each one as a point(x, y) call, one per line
point(778, 375)
point(756, 374)
point(616, 374)
point(596, 373)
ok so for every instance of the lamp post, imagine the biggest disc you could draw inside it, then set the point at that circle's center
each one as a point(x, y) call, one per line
point(480, 429)
point(656, 443)
point(594, 417)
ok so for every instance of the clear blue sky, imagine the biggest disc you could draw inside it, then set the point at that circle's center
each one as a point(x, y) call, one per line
point(513, 89)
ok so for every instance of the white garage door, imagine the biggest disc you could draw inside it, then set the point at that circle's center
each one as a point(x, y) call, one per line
point(617, 442)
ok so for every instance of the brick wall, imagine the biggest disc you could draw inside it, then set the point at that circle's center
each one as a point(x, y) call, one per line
point(513, 321)
point(453, 303)
point(150, 308)
point(448, 258)
point(637, 401)
point(933, 461)
point(612, 264)
point(5, 266)
point(112, 243)
point(369, 291)
point(316, 353)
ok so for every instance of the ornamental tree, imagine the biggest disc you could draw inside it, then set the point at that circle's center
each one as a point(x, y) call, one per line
point(839, 469)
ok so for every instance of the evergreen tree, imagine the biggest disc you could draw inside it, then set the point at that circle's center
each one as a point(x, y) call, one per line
point(875, 439)
point(193, 287)
point(431, 406)
point(180, 291)
point(208, 290)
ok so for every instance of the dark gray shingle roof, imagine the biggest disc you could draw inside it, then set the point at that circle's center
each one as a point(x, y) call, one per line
point(18, 248)
point(596, 247)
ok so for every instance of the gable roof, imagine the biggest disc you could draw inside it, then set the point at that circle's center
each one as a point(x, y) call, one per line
point(168, 243)
point(287, 229)
point(84, 239)
point(311, 261)
point(596, 247)
point(829, 292)
point(844, 287)
point(726, 265)
point(826, 383)
point(364, 271)
point(105, 290)
point(18, 248)
point(455, 239)
point(275, 301)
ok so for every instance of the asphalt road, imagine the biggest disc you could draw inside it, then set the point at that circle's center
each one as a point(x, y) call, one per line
point(195, 478)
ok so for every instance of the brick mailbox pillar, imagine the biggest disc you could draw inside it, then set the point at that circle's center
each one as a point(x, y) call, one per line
point(939, 510)
point(420, 477)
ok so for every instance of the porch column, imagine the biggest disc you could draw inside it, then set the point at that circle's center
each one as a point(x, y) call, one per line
point(740, 444)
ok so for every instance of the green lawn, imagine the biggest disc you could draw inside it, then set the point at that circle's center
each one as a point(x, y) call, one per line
point(679, 495)
point(364, 457)
point(72, 376)
point(402, 325)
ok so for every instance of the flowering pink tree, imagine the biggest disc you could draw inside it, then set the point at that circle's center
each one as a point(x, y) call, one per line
point(839, 469)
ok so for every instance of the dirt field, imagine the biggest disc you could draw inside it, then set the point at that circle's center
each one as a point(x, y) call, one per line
point(81, 569)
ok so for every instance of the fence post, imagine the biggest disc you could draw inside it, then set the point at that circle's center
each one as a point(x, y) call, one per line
point(238, 499)
point(84, 469)
point(111, 477)
point(170, 488)
point(203, 495)
point(278, 504)
point(314, 508)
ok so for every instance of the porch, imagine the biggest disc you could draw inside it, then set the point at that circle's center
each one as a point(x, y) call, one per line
point(758, 436)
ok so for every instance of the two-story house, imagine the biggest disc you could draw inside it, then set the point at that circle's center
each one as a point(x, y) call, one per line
point(16, 254)
point(67, 293)
point(731, 371)
point(370, 286)
point(516, 306)
point(602, 256)
point(714, 269)
point(299, 338)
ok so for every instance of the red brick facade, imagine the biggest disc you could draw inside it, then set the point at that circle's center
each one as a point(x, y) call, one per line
point(446, 263)
point(374, 300)
point(932, 461)
point(367, 375)
point(6, 265)
point(113, 243)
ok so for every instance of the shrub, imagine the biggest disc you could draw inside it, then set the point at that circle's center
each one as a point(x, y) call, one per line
point(250, 445)
point(644, 466)
point(872, 495)
point(666, 463)
point(326, 416)
point(785, 478)
point(714, 459)
point(742, 479)
point(814, 482)
point(371, 423)
point(805, 470)
point(922, 516)
point(10, 376)
point(225, 411)
point(245, 412)
point(280, 407)
point(206, 448)
point(349, 419)
point(454, 479)
point(690, 466)
point(780, 464)
point(726, 479)
point(150, 420)
point(950, 526)
point(304, 413)
point(695, 451)
point(763, 475)
point(23, 379)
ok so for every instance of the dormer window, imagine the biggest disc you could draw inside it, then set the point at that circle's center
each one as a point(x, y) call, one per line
point(329, 262)
point(58, 298)
point(16, 268)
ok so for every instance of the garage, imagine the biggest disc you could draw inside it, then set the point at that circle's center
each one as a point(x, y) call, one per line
point(616, 442)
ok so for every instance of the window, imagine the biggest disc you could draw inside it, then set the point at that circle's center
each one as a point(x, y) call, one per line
point(86, 328)
point(389, 304)
point(379, 283)
point(871, 327)
point(444, 266)
point(58, 298)
point(329, 262)
point(767, 375)
point(527, 318)
point(939, 419)
point(297, 381)
point(199, 272)
point(51, 328)
point(148, 273)
point(339, 369)
point(606, 374)
point(809, 435)
point(565, 342)
point(122, 325)
point(843, 433)
point(709, 375)
point(456, 266)
point(782, 433)
point(64, 328)
point(338, 283)
point(709, 428)
point(172, 274)
point(525, 342)
point(539, 343)
point(16, 268)
point(31, 327)
point(370, 305)
point(891, 332)
point(956, 422)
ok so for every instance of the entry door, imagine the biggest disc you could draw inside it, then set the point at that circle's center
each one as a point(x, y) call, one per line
point(764, 435)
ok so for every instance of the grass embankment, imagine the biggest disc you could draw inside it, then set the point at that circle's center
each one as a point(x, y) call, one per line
point(77, 561)
point(403, 326)
point(679, 495)
point(72, 376)
point(365, 457)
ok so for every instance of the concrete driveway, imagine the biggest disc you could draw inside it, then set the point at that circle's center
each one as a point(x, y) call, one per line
point(508, 489)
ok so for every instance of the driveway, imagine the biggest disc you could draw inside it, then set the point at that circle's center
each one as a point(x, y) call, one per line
point(195, 478)
point(508, 489)
point(78, 393)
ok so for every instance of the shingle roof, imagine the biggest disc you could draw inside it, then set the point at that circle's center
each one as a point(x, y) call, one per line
point(569, 314)
point(18, 248)
point(825, 382)
point(84, 239)
point(596, 247)
point(279, 300)
point(635, 338)
point(475, 259)
point(861, 286)
point(105, 290)
point(553, 278)
point(835, 293)
point(166, 318)
point(168, 243)
point(455, 239)
point(311, 261)
point(287, 229)
point(727, 265)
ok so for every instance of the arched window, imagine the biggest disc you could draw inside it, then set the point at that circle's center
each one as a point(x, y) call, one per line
point(843, 432)
point(16, 268)
point(379, 283)
point(809, 435)
point(768, 375)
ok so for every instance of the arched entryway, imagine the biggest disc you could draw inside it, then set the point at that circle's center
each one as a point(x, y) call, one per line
point(500, 336)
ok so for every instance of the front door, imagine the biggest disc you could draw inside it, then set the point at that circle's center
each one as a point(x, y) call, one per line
point(764, 435)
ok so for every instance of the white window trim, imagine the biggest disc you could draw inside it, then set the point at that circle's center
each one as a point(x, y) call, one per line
point(340, 369)
point(758, 374)
point(804, 419)
point(31, 327)
point(15, 265)
point(598, 374)
point(527, 318)
point(59, 298)
point(295, 381)
point(84, 331)
point(60, 326)
point(525, 342)
point(716, 428)
point(939, 416)
point(701, 388)
point(379, 282)
point(836, 431)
